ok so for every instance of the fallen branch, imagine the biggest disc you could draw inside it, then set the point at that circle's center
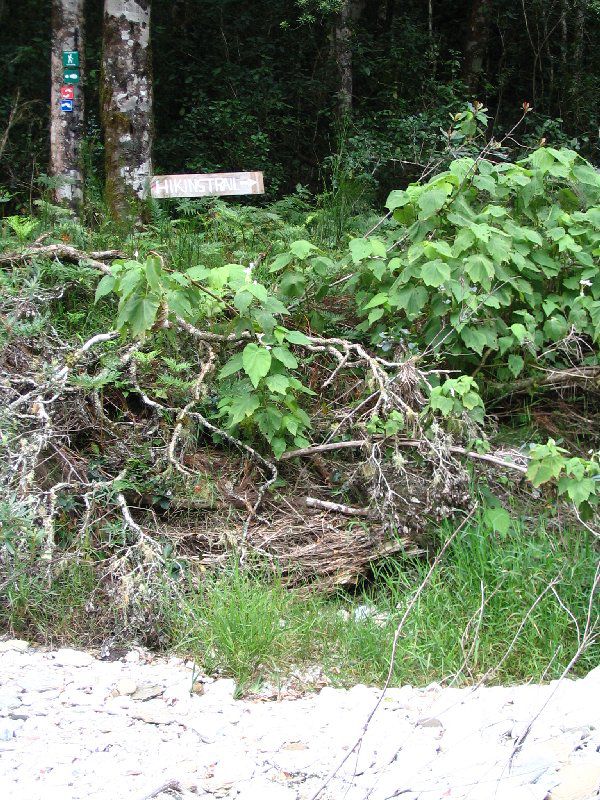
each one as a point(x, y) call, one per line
point(350, 511)
point(357, 443)
point(66, 252)
point(577, 376)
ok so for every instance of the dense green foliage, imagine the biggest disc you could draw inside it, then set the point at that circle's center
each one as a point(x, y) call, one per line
point(253, 86)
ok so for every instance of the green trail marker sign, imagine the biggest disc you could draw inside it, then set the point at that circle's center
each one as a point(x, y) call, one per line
point(70, 58)
point(216, 184)
point(71, 75)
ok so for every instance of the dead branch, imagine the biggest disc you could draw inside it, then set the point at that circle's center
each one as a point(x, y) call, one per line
point(576, 376)
point(350, 511)
point(358, 443)
point(66, 252)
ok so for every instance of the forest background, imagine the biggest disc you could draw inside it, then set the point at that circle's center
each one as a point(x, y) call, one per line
point(276, 431)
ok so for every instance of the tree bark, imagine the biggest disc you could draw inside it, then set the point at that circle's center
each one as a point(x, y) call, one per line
point(476, 43)
point(66, 127)
point(126, 104)
point(350, 11)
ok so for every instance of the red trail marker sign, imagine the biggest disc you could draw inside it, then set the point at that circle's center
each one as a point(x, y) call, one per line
point(216, 184)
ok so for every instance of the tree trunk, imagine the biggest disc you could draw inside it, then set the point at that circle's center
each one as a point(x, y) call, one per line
point(349, 12)
point(66, 127)
point(126, 103)
point(476, 43)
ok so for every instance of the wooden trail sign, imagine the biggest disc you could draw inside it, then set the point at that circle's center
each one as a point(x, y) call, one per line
point(216, 184)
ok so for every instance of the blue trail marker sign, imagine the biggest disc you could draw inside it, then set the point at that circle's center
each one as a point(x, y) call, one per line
point(216, 184)
point(66, 105)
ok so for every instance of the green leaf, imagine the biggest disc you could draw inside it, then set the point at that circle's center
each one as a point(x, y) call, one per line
point(480, 269)
point(545, 469)
point(360, 249)
point(516, 364)
point(579, 490)
point(431, 201)
point(153, 273)
point(397, 199)
point(292, 284)
point(498, 519)
point(411, 299)
point(256, 361)
point(278, 383)
point(286, 357)
point(279, 446)
point(556, 328)
point(139, 313)
point(232, 366)
point(242, 300)
point(297, 337)
point(474, 339)
point(435, 273)
point(301, 249)
point(242, 406)
point(280, 262)
point(379, 300)
point(519, 332)
point(105, 287)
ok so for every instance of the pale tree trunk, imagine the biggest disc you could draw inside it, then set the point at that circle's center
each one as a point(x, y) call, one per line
point(476, 43)
point(126, 103)
point(349, 12)
point(66, 127)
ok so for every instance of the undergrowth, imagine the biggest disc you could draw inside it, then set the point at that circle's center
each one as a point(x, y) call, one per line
point(501, 607)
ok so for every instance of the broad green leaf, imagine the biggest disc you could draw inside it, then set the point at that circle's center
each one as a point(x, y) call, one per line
point(269, 420)
point(379, 300)
point(297, 337)
point(278, 383)
point(285, 356)
point(105, 287)
point(360, 249)
point(516, 364)
point(232, 366)
point(411, 298)
point(258, 290)
point(556, 328)
point(301, 249)
point(278, 446)
point(498, 519)
point(292, 284)
point(474, 339)
point(543, 470)
point(242, 406)
point(432, 200)
point(242, 300)
point(579, 490)
point(396, 199)
point(519, 332)
point(139, 313)
point(434, 273)
point(256, 361)
point(153, 273)
point(280, 262)
point(480, 269)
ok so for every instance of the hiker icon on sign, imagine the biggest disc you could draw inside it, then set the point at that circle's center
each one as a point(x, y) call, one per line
point(70, 58)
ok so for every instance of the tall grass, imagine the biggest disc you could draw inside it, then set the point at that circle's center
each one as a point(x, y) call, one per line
point(505, 608)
